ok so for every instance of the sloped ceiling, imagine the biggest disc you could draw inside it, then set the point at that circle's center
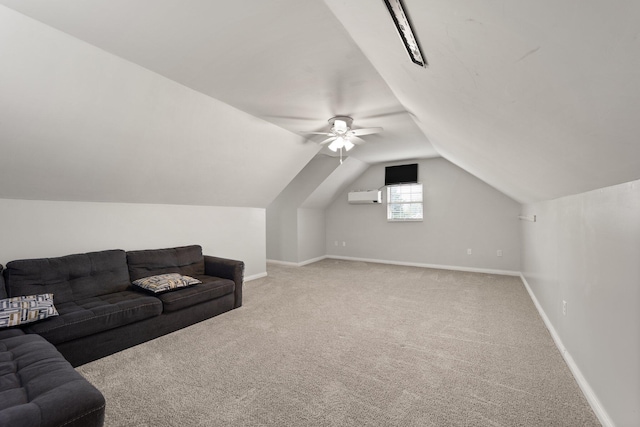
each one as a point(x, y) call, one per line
point(538, 99)
point(334, 184)
point(78, 124)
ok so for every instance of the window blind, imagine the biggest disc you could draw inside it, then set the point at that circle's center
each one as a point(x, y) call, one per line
point(404, 202)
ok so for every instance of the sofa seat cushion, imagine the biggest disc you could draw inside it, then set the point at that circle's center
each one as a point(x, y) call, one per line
point(87, 316)
point(38, 387)
point(210, 288)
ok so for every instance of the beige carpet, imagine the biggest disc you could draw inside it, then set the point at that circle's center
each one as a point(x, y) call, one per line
point(340, 343)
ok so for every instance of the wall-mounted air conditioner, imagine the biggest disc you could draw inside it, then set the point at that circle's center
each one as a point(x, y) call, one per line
point(365, 196)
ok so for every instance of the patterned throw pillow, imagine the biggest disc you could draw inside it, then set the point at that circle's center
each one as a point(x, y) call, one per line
point(26, 309)
point(165, 282)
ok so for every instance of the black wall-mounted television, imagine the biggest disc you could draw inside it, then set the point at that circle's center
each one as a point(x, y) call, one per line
point(403, 174)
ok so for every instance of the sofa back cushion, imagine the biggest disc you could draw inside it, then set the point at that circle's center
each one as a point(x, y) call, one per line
point(185, 260)
point(69, 278)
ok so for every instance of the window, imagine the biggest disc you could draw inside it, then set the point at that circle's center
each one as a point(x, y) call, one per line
point(404, 202)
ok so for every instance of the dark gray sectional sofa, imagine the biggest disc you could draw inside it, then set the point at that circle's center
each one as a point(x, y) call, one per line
point(38, 387)
point(100, 313)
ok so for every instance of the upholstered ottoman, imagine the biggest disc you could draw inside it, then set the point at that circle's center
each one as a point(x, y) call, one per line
point(39, 388)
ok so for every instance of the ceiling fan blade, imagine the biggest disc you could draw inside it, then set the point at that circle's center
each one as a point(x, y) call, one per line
point(327, 140)
point(317, 133)
point(388, 114)
point(356, 140)
point(366, 131)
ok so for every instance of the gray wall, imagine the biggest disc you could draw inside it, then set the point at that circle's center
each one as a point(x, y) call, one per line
point(38, 229)
point(281, 234)
point(282, 214)
point(585, 249)
point(311, 234)
point(460, 213)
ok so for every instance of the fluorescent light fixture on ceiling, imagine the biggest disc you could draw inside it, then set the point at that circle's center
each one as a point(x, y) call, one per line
point(409, 40)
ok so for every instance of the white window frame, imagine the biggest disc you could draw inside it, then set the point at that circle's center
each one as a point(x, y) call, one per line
point(415, 198)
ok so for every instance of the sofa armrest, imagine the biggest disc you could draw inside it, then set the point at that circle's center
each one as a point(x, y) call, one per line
point(3, 290)
point(226, 269)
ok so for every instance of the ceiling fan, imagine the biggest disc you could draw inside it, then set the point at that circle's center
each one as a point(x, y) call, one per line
point(342, 136)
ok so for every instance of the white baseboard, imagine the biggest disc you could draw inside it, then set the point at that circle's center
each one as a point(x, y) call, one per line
point(588, 392)
point(440, 267)
point(278, 262)
point(296, 264)
point(255, 276)
point(312, 260)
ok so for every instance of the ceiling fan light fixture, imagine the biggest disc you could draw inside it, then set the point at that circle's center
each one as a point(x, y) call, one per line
point(336, 144)
point(340, 143)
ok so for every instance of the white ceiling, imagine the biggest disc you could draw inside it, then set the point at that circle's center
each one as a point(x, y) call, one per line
point(537, 99)
point(289, 62)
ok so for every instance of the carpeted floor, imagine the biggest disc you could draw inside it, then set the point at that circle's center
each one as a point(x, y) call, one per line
point(340, 343)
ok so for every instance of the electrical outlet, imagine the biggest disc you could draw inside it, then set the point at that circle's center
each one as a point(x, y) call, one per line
point(344, 243)
point(499, 252)
point(469, 251)
point(564, 308)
